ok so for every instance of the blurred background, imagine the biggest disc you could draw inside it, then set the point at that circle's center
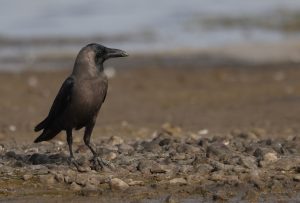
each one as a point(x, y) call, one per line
point(32, 30)
point(206, 66)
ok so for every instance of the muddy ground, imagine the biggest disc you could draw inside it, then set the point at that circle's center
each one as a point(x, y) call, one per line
point(174, 130)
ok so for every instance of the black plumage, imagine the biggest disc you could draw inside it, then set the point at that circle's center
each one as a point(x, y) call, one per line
point(80, 98)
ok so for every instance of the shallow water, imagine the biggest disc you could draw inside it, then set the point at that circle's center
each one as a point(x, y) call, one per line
point(138, 25)
point(151, 24)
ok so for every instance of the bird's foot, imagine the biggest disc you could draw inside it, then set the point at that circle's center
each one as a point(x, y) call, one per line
point(99, 163)
point(73, 162)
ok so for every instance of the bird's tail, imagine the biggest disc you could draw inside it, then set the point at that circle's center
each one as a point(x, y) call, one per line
point(41, 125)
point(47, 134)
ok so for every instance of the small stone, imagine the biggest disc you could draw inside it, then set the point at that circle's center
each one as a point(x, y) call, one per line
point(59, 178)
point(135, 182)
point(297, 178)
point(254, 176)
point(173, 130)
point(74, 186)
point(145, 165)
point(12, 128)
point(203, 132)
point(27, 177)
point(270, 157)
point(111, 156)
point(118, 184)
point(93, 180)
point(90, 187)
point(171, 199)
point(81, 179)
point(179, 181)
point(157, 168)
point(195, 137)
point(203, 168)
point(115, 140)
point(248, 161)
point(69, 179)
point(286, 164)
point(125, 149)
point(218, 176)
point(47, 179)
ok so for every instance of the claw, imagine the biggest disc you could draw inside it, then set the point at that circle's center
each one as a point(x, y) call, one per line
point(99, 163)
point(72, 161)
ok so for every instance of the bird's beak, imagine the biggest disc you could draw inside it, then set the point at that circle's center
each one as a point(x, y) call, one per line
point(113, 53)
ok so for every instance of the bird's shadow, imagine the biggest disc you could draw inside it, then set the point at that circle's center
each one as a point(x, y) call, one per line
point(37, 158)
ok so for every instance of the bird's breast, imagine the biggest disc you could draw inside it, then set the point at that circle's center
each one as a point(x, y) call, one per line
point(86, 100)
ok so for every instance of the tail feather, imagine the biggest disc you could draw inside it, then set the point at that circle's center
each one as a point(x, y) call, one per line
point(41, 125)
point(46, 135)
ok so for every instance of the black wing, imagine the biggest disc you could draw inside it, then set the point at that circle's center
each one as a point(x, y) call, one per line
point(60, 103)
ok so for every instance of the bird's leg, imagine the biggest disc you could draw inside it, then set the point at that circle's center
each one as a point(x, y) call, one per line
point(70, 142)
point(97, 160)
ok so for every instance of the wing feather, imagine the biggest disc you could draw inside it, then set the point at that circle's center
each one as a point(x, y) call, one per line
point(61, 101)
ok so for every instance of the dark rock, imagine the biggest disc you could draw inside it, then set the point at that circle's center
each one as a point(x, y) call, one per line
point(36, 159)
point(151, 146)
point(165, 141)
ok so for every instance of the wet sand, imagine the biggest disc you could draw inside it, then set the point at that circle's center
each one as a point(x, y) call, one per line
point(217, 99)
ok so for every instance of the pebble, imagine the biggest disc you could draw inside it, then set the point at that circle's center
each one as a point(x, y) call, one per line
point(232, 160)
point(179, 181)
point(115, 140)
point(297, 178)
point(118, 184)
point(12, 128)
point(59, 178)
point(135, 182)
point(171, 199)
point(47, 179)
point(74, 186)
point(158, 168)
point(270, 157)
point(111, 156)
point(81, 179)
point(90, 187)
point(27, 177)
point(248, 161)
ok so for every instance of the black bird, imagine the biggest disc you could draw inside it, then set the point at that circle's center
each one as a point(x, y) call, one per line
point(80, 98)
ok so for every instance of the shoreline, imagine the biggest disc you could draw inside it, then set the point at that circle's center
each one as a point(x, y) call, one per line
point(243, 54)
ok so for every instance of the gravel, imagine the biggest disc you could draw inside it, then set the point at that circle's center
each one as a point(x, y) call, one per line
point(241, 163)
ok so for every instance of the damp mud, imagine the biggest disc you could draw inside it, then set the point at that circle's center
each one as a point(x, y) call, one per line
point(173, 130)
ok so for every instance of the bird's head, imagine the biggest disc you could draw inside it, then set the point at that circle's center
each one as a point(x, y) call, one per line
point(102, 53)
point(93, 56)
